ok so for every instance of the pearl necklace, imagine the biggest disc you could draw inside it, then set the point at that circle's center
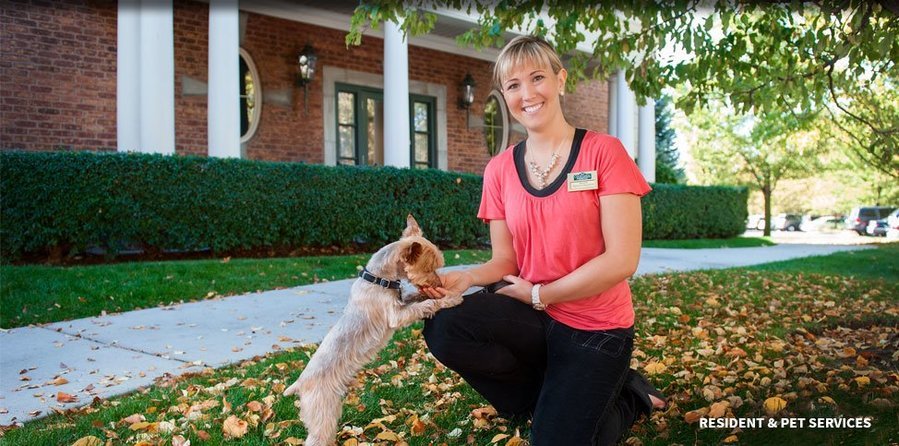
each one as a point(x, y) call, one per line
point(541, 174)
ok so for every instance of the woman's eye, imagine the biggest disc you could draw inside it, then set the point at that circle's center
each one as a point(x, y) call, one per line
point(511, 86)
point(539, 78)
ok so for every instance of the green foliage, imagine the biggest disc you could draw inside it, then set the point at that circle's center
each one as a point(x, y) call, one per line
point(667, 170)
point(74, 200)
point(683, 212)
point(759, 56)
point(69, 201)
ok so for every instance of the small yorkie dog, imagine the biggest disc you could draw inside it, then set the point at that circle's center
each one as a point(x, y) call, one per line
point(376, 309)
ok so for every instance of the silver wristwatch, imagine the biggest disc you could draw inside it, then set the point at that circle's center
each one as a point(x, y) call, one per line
point(535, 298)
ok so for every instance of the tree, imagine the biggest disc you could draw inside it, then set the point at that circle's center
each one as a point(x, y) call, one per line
point(756, 150)
point(667, 157)
point(761, 57)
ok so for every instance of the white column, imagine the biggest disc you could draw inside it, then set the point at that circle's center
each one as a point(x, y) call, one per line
point(128, 77)
point(396, 97)
point(646, 152)
point(224, 83)
point(157, 85)
point(613, 107)
point(627, 114)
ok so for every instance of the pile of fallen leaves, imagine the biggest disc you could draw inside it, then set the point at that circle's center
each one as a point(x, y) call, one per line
point(718, 344)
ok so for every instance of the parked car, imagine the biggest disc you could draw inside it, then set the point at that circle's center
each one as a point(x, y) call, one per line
point(786, 222)
point(823, 223)
point(860, 216)
point(893, 225)
point(755, 221)
point(877, 228)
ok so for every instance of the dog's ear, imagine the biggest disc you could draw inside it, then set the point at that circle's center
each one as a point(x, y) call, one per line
point(412, 229)
point(412, 252)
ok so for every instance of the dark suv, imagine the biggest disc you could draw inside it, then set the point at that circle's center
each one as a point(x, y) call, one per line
point(859, 217)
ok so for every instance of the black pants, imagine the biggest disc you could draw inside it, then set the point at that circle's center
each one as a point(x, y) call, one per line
point(571, 382)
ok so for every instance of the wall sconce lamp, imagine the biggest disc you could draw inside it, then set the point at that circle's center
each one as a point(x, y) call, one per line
point(307, 60)
point(467, 92)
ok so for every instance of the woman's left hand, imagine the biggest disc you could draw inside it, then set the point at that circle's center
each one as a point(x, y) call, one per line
point(519, 289)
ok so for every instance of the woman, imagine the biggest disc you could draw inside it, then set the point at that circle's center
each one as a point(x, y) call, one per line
point(565, 228)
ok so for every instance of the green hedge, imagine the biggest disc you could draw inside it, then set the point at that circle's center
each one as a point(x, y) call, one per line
point(68, 201)
point(672, 212)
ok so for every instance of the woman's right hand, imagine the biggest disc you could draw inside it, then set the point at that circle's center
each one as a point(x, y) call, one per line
point(454, 283)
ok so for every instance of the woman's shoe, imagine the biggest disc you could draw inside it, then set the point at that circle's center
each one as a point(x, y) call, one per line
point(642, 388)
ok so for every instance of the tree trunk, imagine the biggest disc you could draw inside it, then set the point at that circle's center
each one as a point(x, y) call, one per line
point(766, 193)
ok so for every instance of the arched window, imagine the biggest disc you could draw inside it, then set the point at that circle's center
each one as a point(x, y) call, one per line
point(250, 97)
point(496, 123)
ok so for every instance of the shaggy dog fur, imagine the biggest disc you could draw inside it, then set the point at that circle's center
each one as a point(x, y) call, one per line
point(369, 320)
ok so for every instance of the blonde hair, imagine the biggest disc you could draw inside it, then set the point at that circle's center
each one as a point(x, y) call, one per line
point(522, 50)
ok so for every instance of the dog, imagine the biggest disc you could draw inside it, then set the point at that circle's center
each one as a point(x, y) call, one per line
point(375, 310)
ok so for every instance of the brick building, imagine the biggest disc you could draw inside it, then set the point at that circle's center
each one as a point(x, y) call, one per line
point(160, 77)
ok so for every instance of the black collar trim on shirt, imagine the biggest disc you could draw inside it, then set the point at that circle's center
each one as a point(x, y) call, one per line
point(518, 155)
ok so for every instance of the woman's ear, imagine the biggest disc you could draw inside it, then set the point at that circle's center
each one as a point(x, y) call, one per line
point(562, 75)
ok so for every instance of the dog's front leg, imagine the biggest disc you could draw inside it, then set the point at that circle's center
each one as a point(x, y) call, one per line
point(401, 316)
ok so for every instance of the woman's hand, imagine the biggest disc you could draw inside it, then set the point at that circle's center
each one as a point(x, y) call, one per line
point(519, 289)
point(454, 282)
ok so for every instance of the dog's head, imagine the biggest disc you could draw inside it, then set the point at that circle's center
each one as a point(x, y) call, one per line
point(417, 257)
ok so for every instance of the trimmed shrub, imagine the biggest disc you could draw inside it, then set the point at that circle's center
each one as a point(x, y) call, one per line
point(65, 202)
point(674, 212)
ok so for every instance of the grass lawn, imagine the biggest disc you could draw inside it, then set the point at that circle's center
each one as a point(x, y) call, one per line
point(735, 242)
point(816, 337)
point(39, 294)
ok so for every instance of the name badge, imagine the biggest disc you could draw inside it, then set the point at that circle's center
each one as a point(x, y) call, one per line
point(578, 181)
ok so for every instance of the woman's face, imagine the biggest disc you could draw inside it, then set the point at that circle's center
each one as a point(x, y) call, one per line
point(532, 94)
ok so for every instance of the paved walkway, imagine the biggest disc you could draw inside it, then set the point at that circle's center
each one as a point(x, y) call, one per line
point(116, 354)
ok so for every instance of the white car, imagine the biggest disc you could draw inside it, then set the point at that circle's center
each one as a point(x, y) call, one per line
point(893, 225)
point(825, 223)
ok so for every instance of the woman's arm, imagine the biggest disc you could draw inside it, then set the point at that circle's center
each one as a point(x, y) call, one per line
point(502, 263)
point(622, 228)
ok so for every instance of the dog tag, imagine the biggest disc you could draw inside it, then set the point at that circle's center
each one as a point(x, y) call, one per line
point(578, 181)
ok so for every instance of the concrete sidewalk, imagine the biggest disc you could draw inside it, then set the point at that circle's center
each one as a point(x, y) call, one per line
point(116, 354)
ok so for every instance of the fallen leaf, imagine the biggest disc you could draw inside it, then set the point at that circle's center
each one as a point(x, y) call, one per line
point(134, 418)
point(484, 412)
point(59, 381)
point(178, 440)
point(718, 409)
point(774, 405)
point(694, 415)
point(499, 437)
point(63, 397)
point(254, 406)
point(862, 381)
point(515, 441)
point(234, 427)
point(294, 441)
point(654, 368)
point(89, 440)
point(387, 436)
point(731, 439)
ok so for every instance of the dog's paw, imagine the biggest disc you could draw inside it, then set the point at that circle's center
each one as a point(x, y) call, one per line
point(450, 301)
point(294, 389)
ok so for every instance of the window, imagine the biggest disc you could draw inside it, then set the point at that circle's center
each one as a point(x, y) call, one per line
point(496, 123)
point(360, 127)
point(423, 138)
point(250, 97)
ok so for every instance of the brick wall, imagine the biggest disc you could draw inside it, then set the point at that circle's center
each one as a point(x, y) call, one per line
point(58, 75)
point(59, 65)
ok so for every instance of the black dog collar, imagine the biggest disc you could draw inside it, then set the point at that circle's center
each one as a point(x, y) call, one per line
point(367, 276)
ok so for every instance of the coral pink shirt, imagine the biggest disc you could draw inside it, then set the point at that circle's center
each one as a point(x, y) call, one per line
point(555, 231)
